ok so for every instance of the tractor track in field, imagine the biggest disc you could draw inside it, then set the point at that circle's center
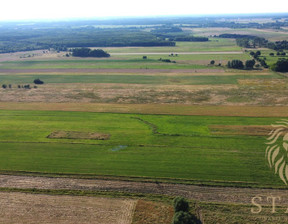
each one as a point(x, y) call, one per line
point(202, 193)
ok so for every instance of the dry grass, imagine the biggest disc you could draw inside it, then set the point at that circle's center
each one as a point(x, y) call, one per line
point(148, 212)
point(255, 130)
point(78, 135)
point(33, 209)
point(176, 109)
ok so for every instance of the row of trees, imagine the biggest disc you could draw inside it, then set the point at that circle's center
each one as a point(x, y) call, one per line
point(280, 66)
point(189, 38)
point(36, 81)
point(238, 64)
point(256, 56)
point(250, 41)
point(4, 86)
point(87, 52)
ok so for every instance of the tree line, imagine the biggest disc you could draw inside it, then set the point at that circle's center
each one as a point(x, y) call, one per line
point(87, 52)
point(27, 39)
point(250, 41)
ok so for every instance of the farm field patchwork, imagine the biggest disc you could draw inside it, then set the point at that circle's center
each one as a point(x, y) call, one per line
point(188, 123)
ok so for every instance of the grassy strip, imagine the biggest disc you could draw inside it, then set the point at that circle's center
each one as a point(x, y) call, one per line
point(158, 180)
point(132, 79)
point(109, 194)
point(170, 109)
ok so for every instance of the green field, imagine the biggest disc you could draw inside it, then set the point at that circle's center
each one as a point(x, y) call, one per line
point(135, 79)
point(146, 146)
point(100, 64)
point(215, 45)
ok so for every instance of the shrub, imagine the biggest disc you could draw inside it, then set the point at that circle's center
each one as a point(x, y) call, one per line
point(183, 218)
point(4, 86)
point(180, 204)
point(38, 81)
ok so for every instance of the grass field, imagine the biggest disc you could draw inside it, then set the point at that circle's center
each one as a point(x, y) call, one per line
point(100, 64)
point(215, 44)
point(135, 79)
point(181, 147)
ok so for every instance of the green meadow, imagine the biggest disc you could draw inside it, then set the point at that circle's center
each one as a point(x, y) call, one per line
point(159, 147)
point(215, 45)
point(135, 79)
point(99, 64)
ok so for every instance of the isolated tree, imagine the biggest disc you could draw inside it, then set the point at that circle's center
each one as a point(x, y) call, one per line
point(144, 57)
point(281, 65)
point(38, 82)
point(4, 86)
point(212, 62)
point(249, 64)
point(271, 54)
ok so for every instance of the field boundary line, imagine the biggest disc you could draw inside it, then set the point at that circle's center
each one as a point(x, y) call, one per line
point(159, 109)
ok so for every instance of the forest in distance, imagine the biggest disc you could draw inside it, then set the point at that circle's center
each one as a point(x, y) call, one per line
point(133, 32)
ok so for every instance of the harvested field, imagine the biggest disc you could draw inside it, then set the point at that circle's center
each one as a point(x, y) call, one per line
point(78, 135)
point(114, 93)
point(255, 130)
point(33, 209)
point(147, 212)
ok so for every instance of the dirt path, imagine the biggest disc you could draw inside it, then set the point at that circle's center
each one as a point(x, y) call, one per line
point(202, 193)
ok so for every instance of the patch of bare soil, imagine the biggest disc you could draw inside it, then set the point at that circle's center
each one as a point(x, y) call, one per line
point(16, 208)
point(201, 193)
point(78, 135)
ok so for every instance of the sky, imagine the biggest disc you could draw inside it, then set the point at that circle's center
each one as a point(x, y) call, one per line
point(62, 9)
